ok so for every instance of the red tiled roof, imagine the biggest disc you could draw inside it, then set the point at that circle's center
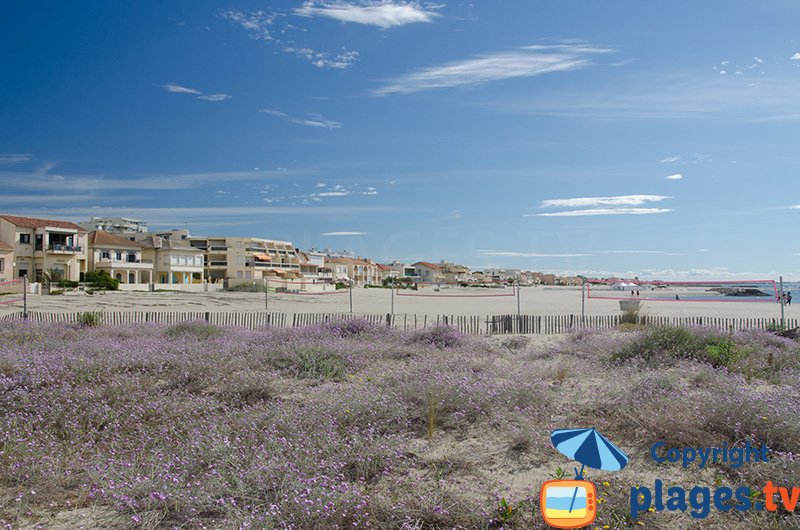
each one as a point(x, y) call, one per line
point(383, 267)
point(100, 238)
point(427, 264)
point(5, 246)
point(33, 222)
point(349, 261)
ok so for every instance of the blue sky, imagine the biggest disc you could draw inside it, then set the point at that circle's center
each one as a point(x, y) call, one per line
point(617, 137)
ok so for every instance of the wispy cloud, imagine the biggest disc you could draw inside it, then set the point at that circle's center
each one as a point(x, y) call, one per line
point(677, 176)
point(337, 234)
point(178, 89)
point(605, 211)
point(384, 14)
point(631, 252)
point(321, 59)
point(795, 57)
point(43, 180)
point(619, 200)
point(670, 159)
point(214, 97)
point(14, 158)
point(669, 96)
point(516, 254)
point(528, 61)
point(263, 25)
point(311, 120)
point(257, 23)
point(332, 194)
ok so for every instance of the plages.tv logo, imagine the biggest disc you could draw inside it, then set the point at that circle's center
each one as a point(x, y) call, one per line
point(573, 503)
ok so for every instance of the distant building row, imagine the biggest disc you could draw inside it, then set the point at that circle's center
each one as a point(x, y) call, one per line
point(133, 255)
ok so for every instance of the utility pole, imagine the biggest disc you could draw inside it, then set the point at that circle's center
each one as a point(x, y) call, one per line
point(266, 294)
point(351, 295)
point(392, 296)
point(519, 311)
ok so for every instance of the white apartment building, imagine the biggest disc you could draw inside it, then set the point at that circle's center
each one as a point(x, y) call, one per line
point(247, 258)
point(121, 258)
point(116, 225)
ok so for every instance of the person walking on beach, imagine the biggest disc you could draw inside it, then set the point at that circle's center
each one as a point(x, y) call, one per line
point(789, 298)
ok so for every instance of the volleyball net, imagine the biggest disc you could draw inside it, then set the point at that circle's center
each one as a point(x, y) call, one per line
point(458, 290)
point(683, 291)
point(302, 288)
point(12, 291)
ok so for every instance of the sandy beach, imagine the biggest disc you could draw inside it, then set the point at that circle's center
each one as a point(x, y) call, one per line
point(533, 301)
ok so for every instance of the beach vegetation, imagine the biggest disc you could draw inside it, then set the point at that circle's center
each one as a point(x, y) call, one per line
point(347, 424)
point(101, 281)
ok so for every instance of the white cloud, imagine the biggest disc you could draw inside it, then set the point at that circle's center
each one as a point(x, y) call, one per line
point(344, 234)
point(321, 59)
point(370, 191)
point(669, 159)
point(795, 57)
point(523, 62)
point(331, 194)
point(605, 211)
point(631, 252)
point(178, 89)
point(514, 254)
point(313, 120)
point(14, 158)
point(384, 14)
point(215, 97)
point(257, 23)
point(677, 176)
point(795, 207)
point(619, 200)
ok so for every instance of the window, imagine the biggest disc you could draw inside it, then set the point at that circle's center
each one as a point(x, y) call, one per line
point(119, 255)
point(25, 239)
point(105, 255)
point(2, 264)
point(23, 272)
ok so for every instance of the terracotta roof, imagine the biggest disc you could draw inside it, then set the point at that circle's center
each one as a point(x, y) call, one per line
point(33, 222)
point(99, 238)
point(383, 267)
point(427, 264)
point(5, 246)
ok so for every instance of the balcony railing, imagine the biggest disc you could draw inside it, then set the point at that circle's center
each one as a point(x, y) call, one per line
point(58, 247)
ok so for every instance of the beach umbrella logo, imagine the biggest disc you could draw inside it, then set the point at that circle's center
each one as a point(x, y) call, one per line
point(573, 503)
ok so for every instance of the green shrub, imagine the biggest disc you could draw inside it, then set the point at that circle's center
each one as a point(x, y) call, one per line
point(91, 319)
point(101, 281)
point(314, 363)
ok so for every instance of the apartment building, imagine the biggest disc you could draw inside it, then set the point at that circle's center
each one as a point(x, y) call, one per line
point(427, 272)
point(174, 260)
point(44, 244)
point(121, 258)
point(247, 258)
point(115, 225)
point(455, 273)
point(6, 262)
point(359, 271)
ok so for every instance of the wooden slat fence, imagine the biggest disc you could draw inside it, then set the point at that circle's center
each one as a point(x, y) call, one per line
point(472, 325)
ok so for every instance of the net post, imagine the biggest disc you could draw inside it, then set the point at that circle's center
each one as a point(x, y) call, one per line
point(782, 300)
point(266, 295)
point(393, 296)
point(25, 297)
point(519, 311)
point(351, 295)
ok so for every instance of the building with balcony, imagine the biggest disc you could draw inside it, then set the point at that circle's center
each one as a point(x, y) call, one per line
point(175, 260)
point(358, 271)
point(428, 272)
point(115, 225)
point(6, 262)
point(41, 245)
point(121, 258)
point(247, 258)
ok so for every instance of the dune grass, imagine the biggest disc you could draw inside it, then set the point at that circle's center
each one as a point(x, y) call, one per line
point(349, 424)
